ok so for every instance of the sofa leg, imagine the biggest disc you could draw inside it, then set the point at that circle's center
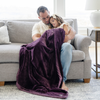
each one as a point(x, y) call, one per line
point(86, 80)
point(2, 83)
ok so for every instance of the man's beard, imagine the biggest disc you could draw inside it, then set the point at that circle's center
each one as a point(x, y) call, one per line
point(47, 23)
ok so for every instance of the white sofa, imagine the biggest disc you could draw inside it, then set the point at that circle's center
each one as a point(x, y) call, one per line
point(20, 32)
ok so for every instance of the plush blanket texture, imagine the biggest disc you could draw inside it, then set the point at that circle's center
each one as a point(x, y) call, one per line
point(40, 70)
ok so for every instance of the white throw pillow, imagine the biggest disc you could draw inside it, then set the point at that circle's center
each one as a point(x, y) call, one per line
point(4, 37)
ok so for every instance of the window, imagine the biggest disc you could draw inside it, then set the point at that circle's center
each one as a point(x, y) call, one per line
point(23, 9)
point(76, 9)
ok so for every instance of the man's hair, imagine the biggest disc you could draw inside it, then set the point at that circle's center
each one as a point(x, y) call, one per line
point(41, 9)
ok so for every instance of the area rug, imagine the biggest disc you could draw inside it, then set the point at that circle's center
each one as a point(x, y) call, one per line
point(77, 91)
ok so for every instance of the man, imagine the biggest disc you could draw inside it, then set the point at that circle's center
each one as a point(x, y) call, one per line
point(66, 49)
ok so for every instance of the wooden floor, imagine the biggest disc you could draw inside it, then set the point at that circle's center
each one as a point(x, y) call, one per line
point(92, 55)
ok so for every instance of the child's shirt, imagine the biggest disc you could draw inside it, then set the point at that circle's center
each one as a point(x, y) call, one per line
point(69, 27)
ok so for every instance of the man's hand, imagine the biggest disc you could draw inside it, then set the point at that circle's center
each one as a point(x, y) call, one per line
point(65, 27)
point(70, 36)
point(36, 36)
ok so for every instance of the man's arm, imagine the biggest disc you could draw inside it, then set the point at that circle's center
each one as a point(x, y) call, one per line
point(65, 27)
point(36, 36)
point(72, 33)
point(70, 36)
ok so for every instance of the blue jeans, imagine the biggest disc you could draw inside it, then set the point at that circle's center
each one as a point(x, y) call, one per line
point(66, 58)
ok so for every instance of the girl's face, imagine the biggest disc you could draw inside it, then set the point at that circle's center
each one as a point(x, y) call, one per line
point(54, 22)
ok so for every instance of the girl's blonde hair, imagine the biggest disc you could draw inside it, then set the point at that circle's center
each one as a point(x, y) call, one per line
point(58, 18)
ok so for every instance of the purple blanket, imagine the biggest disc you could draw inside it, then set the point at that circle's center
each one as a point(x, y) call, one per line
point(40, 70)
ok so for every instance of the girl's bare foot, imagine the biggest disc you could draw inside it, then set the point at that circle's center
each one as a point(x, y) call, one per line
point(64, 87)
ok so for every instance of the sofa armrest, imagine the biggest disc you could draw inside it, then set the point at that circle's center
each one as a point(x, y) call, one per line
point(81, 41)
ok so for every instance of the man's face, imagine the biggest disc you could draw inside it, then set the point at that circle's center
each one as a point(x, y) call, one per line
point(45, 17)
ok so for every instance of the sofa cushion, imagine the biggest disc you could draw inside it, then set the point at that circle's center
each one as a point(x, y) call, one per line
point(70, 21)
point(10, 53)
point(4, 36)
point(20, 31)
point(78, 55)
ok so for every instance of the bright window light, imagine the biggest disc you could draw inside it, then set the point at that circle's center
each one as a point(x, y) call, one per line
point(76, 9)
point(23, 9)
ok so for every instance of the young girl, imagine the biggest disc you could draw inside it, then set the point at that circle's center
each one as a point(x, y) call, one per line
point(57, 22)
